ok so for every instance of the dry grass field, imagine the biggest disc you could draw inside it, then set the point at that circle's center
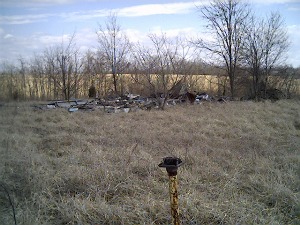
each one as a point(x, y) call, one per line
point(241, 164)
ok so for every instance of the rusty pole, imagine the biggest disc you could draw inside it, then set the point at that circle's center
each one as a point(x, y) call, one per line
point(174, 199)
point(171, 164)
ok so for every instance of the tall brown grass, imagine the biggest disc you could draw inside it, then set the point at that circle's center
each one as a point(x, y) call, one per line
point(242, 164)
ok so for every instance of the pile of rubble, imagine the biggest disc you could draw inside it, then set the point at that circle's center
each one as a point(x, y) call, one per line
point(110, 105)
point(128, 103)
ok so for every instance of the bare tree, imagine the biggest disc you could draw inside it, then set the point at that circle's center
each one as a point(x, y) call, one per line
point(95, 72)
point(88, 70)
point(254, 53)
point(9, 82)
point(286, 79)
point(115, 44)
point(69, 64)
point(23, 72)
point(63, 67)
point(51, 69)
point(15, 78)
point(265, 45)
point(38, 86)
point(275, 44)
point(163, 66)
point(226, 21)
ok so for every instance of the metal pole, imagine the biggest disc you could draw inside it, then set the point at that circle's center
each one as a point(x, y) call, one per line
point(173, 184)
point(171, 164)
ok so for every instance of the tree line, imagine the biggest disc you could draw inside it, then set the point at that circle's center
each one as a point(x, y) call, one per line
point(247, 53)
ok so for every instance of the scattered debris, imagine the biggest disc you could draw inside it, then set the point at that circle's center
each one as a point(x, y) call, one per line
point(50, 106)
point(221, 100)
point(191, 97)
point(72, 109)
point(127, 103)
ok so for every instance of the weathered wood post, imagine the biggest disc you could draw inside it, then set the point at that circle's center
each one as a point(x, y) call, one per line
point(171, 164)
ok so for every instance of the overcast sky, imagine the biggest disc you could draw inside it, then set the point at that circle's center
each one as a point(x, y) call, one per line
point(29, 26)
